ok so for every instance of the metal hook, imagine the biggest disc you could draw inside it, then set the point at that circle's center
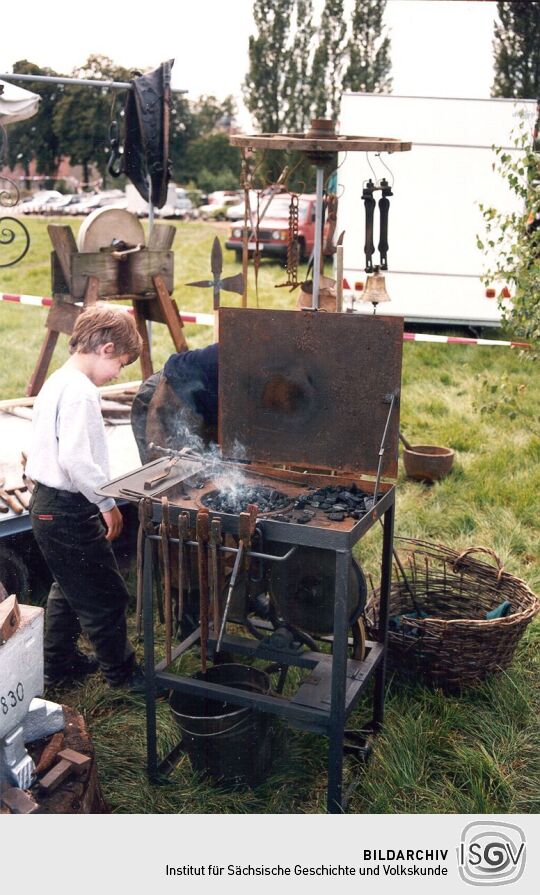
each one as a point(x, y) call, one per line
point(391, 173)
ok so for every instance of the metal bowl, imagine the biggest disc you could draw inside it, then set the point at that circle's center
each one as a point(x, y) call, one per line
point(428, 462)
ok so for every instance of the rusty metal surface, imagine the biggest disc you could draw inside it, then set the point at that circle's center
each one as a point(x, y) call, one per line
point(310, 389)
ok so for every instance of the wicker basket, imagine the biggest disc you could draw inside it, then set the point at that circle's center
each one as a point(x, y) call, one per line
point(454, 646)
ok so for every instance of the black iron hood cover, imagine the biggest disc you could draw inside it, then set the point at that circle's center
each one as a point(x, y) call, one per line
point(310, 389)
point(146, 147)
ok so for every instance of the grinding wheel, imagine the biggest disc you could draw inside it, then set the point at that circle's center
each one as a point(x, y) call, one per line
point(106, 224)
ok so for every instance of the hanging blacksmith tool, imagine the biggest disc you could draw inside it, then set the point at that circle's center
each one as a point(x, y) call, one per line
point(183, 563)
point(384, 207)
point(145, 527)
point(369, 204)
point(166, 556)
point(228, 284)
point(203, 535)
point(246, 529)
point(215, 568)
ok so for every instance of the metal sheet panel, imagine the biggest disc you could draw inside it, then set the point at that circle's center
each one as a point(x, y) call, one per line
point(309, 389)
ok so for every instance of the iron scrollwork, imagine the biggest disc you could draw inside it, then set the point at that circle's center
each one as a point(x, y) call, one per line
point(11, 229)
point(9, 234)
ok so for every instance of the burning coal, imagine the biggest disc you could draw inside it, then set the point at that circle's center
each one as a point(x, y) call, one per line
point(236, 501)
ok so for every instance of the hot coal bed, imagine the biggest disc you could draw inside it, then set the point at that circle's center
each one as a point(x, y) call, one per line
point(336, 502)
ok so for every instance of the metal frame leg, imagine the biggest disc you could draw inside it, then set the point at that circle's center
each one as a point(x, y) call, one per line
point(386, 580)
point(339, 680)
point(148, 632)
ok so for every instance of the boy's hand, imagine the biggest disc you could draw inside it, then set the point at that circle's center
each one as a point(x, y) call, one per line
point(114, 522)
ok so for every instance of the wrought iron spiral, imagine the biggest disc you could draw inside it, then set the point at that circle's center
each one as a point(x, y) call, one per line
point(9, 235)
point(9, 198)
point(10, 195)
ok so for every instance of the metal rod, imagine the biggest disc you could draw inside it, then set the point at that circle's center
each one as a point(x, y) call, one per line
point(79, 82)
point(317, 247)
point(149, 661)
point(381, 449)
point(338, 685)
point(339, 279)
point(384, 607)
point(250, 553)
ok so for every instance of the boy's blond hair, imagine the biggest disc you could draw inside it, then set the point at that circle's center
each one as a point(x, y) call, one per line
point(104, 323)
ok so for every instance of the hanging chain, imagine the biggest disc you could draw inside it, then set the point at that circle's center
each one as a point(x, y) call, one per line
point(257, 250)
point(293, 245)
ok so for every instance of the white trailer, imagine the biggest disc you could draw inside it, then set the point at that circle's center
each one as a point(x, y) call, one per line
point(435, 267)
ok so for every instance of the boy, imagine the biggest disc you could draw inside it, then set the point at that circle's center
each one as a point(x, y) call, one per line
point(73, 525)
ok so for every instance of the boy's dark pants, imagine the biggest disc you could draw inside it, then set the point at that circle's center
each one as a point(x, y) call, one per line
point(88, 592)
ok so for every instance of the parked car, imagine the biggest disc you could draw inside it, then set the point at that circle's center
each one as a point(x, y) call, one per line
point(218, 202)
point(61, 205)
point(178, 204)
point(40, 200)
point(98, 200)
point(274, 230)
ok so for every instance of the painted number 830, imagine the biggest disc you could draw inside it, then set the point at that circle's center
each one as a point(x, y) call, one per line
point(12, 698)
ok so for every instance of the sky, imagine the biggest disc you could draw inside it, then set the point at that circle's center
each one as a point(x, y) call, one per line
point(439, 47)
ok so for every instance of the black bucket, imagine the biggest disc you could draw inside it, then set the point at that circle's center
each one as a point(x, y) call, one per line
point(230, 743)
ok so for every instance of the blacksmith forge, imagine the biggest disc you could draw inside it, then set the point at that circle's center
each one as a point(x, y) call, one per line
point(313, 399)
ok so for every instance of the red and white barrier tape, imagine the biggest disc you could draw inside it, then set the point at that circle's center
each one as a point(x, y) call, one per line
point(459, 340)
point(208, 320)
point(43, 302)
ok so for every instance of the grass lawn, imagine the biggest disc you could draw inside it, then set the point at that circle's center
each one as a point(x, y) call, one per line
point(477, 753)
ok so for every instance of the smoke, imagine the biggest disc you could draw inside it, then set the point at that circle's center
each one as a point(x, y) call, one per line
point(185, 435)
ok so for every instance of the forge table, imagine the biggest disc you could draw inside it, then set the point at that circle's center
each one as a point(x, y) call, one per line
point(314, 400)
point(331, 691)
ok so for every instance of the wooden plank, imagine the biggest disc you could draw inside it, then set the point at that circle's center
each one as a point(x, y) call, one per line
point(62, 317)
point(10, 617)
point(171, 314)
point(59, 283)
point(91, 292)
point(146, 355)
point(161, 238)
point(143, 266)
point(95, 264)
point(42, 365)
point(56, 776)
point(64, 245)
point(18, 801)
point(79, 761)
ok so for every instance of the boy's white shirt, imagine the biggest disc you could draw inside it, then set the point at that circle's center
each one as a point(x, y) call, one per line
point(69, 448)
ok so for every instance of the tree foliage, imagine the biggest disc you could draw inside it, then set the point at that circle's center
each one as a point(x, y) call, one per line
point(298, 68)
point(515, 238)
point(36, 139)
point(517, 49)
point(368, 50)
point(82, 116)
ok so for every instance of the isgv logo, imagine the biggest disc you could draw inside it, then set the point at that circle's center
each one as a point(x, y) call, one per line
point(491, 853)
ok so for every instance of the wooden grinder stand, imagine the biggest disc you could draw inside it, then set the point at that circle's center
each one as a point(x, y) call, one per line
point(145, 277)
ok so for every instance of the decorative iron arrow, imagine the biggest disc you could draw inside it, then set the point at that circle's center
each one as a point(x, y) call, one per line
point(228, 284)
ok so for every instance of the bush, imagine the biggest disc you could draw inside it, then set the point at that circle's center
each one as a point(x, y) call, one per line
point(516, 239)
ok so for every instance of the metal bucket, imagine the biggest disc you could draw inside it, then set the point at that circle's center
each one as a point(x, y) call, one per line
point(427, 462)
point(230, 743)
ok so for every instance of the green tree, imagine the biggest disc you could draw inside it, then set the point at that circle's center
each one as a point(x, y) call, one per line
point(83, 114)
point(297, 86)
point(517, 49)
point(266, 87)
point(36, 139)
point(328, 60)
point(368, 50)
point(215, 156)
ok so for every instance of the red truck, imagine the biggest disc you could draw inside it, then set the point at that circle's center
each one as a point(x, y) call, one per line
point(274, 229)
